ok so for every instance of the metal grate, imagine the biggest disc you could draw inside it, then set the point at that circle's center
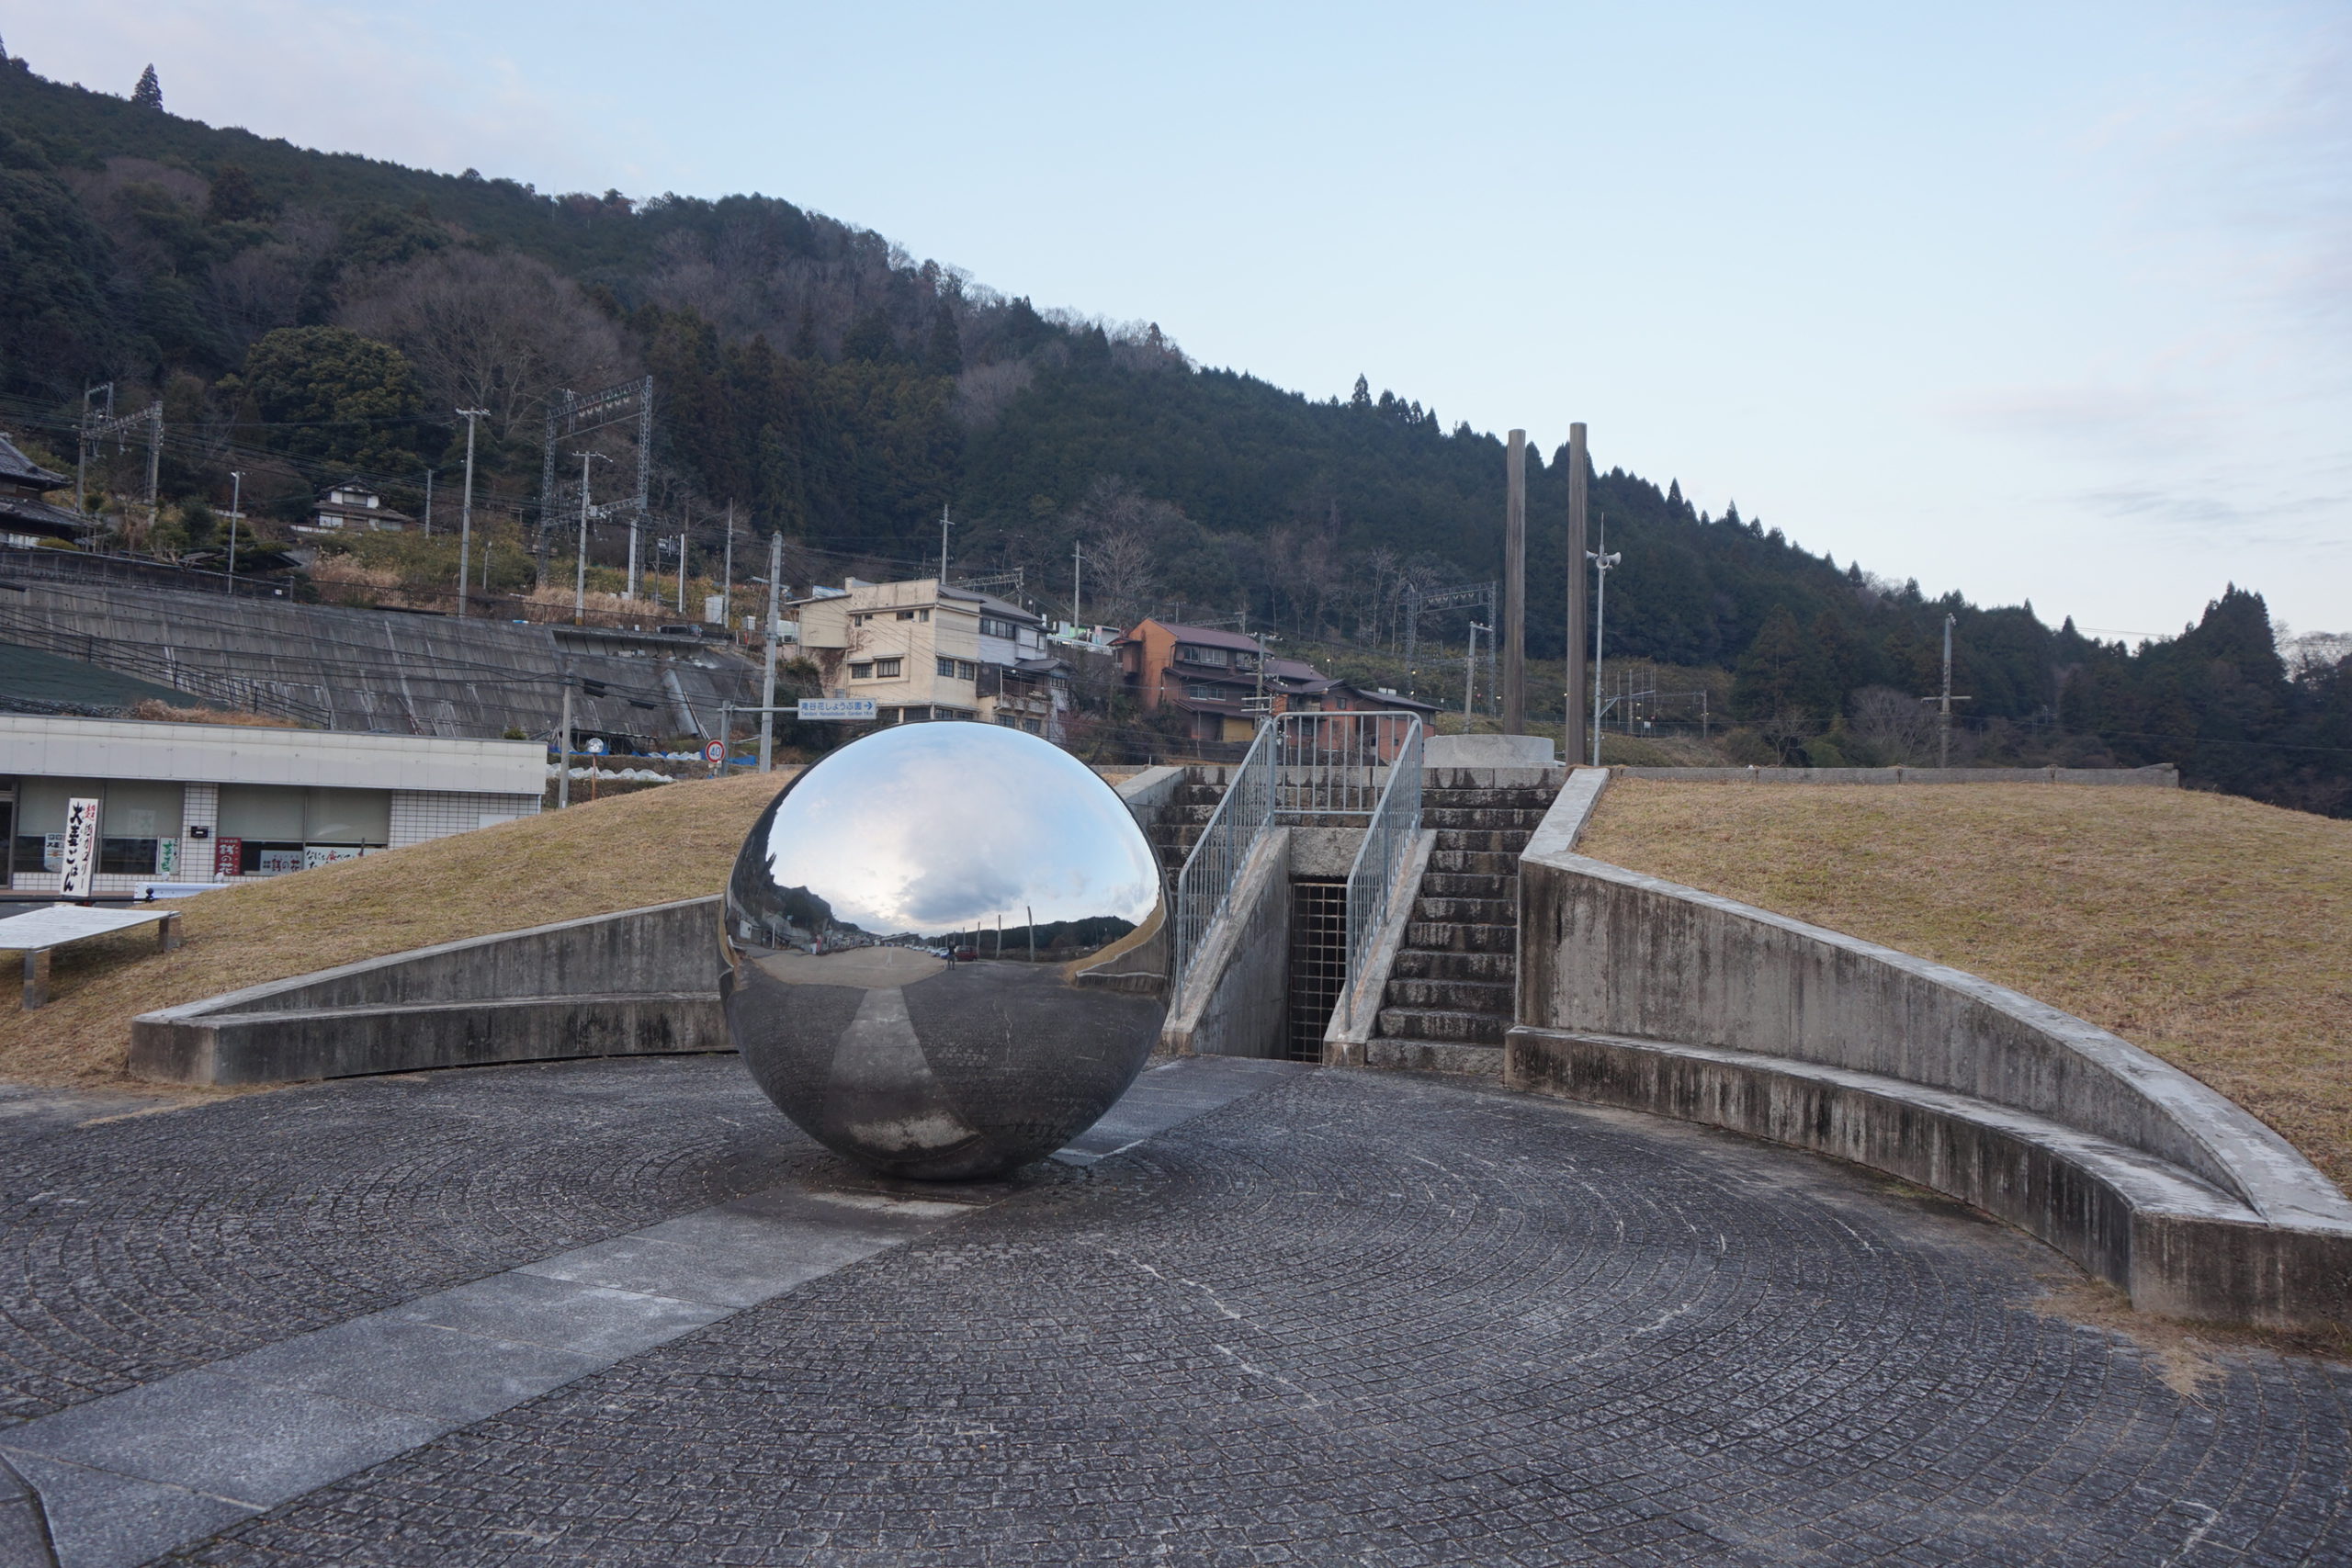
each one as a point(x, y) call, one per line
point(1318, 963)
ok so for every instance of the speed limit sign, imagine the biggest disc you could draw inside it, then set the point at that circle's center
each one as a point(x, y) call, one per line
point(714, 752)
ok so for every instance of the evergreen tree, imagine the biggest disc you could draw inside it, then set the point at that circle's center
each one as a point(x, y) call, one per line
point(1360, 399)
point(871, 339)
point(148, 94)
point(945, 355)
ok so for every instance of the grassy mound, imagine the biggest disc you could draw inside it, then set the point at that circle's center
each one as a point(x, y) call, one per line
point(2211, 931)
point(662, 844)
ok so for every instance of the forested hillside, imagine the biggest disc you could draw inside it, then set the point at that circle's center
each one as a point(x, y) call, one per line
point(305, 316)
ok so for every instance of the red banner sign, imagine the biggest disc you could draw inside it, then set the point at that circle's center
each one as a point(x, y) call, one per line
point(228, 856)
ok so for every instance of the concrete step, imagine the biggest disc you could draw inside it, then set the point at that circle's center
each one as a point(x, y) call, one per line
point(1444, 1023)
point(1475, 862)
point(1467, 884)
point(1507, 841)
point(1466, 911)
point(1458, 936)
point(1435, 1057)
point(1452, 996)
point(1526, 820)
point(1518, 799)
point(1420, 963)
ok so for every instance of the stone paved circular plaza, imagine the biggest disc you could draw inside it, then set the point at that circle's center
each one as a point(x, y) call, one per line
point(1348, 1318)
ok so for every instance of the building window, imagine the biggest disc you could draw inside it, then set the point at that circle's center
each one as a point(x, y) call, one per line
point(1191, 653)
point(862, 669)
point(885, 669)
point(906, 615)
point(991, 626)
point(958, 668)
point(1202, 692)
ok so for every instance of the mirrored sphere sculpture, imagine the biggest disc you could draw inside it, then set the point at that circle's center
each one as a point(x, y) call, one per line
point(946, 950)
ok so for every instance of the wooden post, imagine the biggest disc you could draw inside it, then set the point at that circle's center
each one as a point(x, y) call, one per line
point(1515, 589)
point(1579, 575)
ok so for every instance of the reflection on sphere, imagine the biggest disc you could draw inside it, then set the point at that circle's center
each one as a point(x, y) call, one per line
point(947, 955)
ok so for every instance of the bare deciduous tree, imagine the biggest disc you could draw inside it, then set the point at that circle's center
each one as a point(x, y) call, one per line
point(1897, 727)
point(493, 332)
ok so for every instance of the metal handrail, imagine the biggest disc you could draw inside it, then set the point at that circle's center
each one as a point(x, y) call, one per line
point(1302, 768)
point(1206, 884)
point(1387, 842)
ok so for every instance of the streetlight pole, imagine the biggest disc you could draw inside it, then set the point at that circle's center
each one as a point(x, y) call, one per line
point(944, 525)
point(580, 570)
point(237, 513)
point(768, 659)
point(1602, 559)
point(465, 508)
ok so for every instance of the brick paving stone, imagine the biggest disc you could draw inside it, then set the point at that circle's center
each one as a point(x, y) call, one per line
point(141, 1246)
point(1358, 1318)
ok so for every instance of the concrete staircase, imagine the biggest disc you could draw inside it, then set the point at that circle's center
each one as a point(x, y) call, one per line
point(1180, 823)
point(1451, 990)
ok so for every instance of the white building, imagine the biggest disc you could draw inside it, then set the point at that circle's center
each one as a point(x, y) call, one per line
point(922, 652)
point(214, 802)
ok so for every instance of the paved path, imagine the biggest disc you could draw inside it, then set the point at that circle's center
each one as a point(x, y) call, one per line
point(1340, 1318)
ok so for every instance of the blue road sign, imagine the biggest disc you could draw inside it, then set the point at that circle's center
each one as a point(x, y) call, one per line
point(836, 707)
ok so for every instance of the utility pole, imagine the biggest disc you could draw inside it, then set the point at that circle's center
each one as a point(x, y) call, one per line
point(944, 525)
point(1515, 589)
point(82, 447)
point(1470, 674)
point(564, 751)
point(1579, 462)
point(1601, 562)
point(236, 515)
point(466, 507)
point(579, 567)
point(636, 525)
point(681, 575)
point(154, 468)
point(428, 503)
point(1077, 565)
point(1943, 713)
point(727, 583)
point(767, 663)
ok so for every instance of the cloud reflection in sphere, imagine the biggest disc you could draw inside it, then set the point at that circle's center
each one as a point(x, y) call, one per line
point(947, 950)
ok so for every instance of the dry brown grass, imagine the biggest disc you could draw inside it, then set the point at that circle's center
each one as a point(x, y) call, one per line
point(2213, 931)
point(674, 841)
point(155, 708)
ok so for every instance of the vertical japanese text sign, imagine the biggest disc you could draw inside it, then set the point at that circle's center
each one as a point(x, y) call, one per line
point(79, 864)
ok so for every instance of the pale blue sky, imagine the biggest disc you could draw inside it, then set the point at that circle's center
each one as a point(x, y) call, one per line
point(2047, 301)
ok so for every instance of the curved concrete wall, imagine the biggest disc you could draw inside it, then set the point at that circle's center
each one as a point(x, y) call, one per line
point(636, 983)
point(1640, 992)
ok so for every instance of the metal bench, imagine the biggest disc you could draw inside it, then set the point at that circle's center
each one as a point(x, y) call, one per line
point(41, 931)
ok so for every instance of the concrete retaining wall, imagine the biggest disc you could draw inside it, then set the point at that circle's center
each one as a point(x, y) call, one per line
point(1238, 985)
point(1641, 993)
point(640, 982)
point(2161, 775)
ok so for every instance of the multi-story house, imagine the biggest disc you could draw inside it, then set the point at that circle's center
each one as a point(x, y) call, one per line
point(923, 653)
point(1222, 680)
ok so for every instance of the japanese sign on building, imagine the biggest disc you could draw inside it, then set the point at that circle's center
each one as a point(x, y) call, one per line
point(79, 858)
point(228, 857)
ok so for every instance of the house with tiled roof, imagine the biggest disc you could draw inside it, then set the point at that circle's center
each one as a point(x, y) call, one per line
point(26, 517)
point(1222, 680)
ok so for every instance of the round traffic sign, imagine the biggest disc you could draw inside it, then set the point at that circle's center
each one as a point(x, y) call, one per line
point(596, 747)
point(714, 752)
